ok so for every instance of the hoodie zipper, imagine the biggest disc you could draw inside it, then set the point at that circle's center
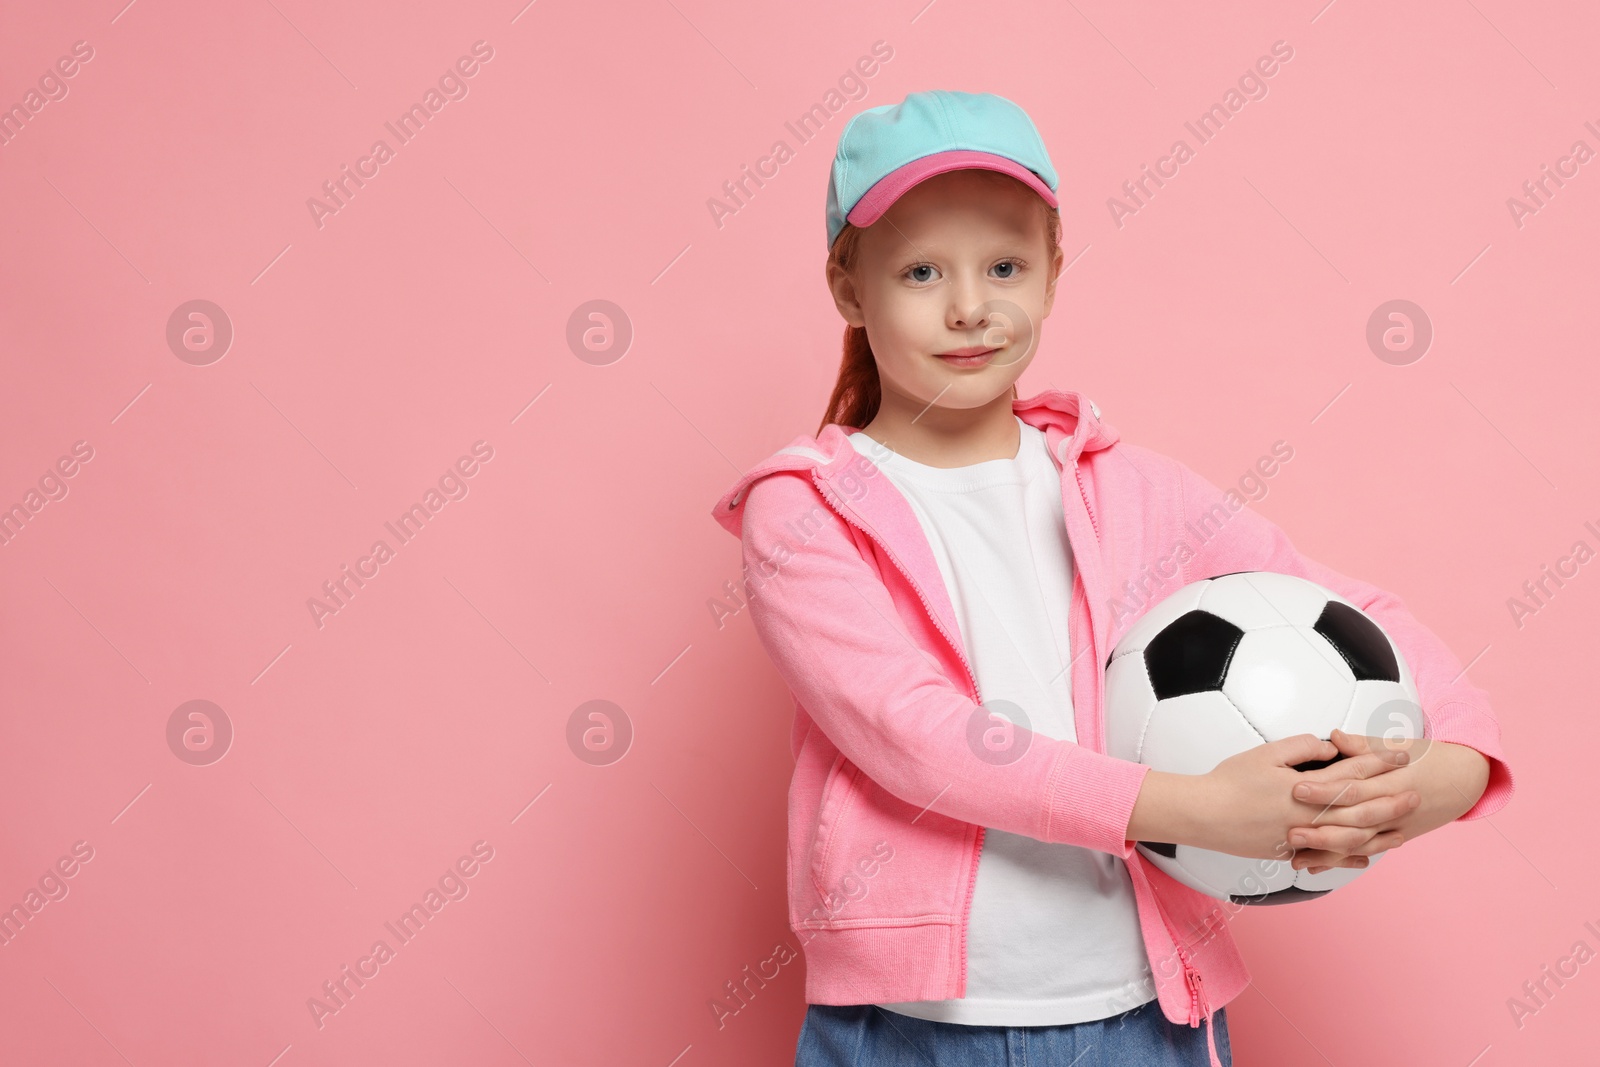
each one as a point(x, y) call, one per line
point(1192, 979)
point(1078, 474)
point(1200, 1014)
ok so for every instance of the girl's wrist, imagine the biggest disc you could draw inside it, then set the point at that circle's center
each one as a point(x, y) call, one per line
point(1450, 778)
point(1166, 807)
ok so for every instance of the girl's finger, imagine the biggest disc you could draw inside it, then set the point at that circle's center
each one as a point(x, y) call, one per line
point(1317, 860)
point(1349, 744)
point(1306, 858)
point(1324, 793)
point(1382, 812)
point(1383, 842)
point(1389, 749)
point(1345, 839)
point(1350, 840)
point(1365, 765)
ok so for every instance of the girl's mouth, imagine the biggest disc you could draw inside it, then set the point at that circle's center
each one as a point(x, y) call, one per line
point(968, 357)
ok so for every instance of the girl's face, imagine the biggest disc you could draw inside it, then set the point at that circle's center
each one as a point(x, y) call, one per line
point(960, 262)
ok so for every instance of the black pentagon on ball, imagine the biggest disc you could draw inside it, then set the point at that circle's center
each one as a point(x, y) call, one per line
point(1191, 654)
point(1358, 639)
point(1162, 848)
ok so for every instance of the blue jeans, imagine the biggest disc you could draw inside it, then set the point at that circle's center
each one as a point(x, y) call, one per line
point(864, 1035)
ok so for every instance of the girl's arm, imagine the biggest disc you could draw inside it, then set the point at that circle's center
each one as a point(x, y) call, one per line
point(1454, 710)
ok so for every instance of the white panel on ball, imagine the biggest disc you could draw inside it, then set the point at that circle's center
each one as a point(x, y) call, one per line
point(1254, 600)
point(1135, 698)
point(1191, 734)
point(1287, 681)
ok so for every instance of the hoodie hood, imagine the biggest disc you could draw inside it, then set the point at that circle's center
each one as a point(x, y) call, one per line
point(1070, 421)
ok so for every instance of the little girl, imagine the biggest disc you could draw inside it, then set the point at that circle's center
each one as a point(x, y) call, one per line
point(946, 563)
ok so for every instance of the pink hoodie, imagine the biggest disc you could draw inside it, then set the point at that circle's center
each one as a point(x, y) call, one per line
point(888, 798)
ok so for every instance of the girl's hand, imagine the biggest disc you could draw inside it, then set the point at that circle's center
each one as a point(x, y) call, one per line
point(1244, 807)
point(1417, 795)
point(1373, 801)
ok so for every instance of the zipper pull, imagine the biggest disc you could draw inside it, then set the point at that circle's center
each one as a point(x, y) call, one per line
point(1196, 996)
point(1210, 1020)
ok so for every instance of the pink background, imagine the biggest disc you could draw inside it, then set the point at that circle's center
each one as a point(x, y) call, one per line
point(431, 312)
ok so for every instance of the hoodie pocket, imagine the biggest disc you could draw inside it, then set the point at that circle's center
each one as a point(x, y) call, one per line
point(838, 792)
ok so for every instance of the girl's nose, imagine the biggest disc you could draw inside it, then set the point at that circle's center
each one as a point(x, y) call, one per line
point(968, 309)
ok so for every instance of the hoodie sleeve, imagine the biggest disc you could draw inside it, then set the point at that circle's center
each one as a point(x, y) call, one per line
point(831, 627)
point(1241, 539)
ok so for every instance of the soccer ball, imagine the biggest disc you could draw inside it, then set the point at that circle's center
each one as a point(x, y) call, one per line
point(1231, 662)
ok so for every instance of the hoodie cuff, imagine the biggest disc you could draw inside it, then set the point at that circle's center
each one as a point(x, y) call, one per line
point(1091, 800)
point(1466, 724)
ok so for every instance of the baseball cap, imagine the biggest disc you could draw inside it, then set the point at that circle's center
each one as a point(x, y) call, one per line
point(886, 150)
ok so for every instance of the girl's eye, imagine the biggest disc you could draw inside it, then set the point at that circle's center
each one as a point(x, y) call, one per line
point(926, 272)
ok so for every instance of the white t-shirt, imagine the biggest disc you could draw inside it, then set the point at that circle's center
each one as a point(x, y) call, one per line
point(1053, 935)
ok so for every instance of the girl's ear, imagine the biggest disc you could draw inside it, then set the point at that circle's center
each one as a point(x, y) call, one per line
point(845, 297)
